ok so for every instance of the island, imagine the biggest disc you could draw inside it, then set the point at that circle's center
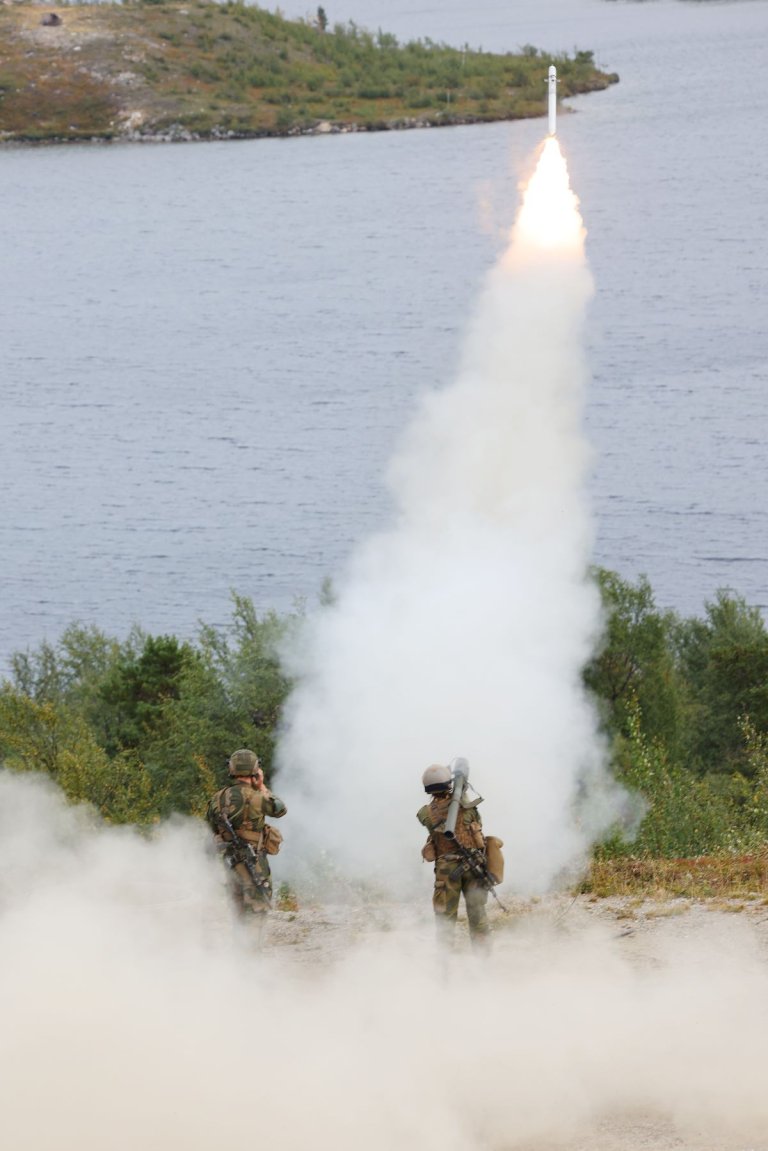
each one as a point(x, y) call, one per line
point(147, 70)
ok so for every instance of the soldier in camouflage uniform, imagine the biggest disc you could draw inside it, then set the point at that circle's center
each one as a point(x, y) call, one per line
point(451, 880)
point(246, 802)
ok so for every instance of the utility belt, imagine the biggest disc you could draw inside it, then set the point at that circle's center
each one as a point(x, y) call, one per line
point(266, 841)
point(249, 835)
point(430, 854)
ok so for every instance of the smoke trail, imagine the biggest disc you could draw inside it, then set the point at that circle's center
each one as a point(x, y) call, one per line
point(462, 629)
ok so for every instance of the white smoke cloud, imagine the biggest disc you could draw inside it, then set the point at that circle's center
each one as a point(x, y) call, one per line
point(132, 1015)
point(462, 629)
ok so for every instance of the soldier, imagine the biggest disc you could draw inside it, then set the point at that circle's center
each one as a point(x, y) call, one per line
point(249, 839)
point(451, 876)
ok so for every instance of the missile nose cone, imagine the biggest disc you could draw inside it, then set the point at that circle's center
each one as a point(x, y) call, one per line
point(552, 99)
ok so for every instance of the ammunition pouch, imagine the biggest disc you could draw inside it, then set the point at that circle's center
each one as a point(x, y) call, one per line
point(272, 839)
point(494, 857)
point(428, 853)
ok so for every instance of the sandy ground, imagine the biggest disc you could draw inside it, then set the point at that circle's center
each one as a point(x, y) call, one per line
point(642, 928)
point(643, 932)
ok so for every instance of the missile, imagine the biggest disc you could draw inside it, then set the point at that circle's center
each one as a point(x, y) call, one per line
point(552, 100)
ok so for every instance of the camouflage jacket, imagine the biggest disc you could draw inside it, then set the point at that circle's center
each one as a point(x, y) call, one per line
point(469, 826)
point(246, 808)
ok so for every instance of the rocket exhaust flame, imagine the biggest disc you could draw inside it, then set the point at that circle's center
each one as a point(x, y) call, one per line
point(549, 219)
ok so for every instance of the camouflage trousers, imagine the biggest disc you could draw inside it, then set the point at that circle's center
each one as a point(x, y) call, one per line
point(252, 896)
point(445, 900)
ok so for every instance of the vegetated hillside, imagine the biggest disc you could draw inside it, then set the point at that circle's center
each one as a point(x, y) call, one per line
point(203, 69)
point(142, 726)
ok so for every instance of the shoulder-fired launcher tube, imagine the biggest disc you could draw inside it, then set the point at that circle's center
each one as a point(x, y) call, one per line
point(460, 769)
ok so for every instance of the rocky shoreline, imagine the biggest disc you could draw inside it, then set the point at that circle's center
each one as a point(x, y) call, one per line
point(178, 134)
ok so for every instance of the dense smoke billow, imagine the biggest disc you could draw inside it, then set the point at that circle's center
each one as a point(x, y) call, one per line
point(463, 629)
point(133, 1015)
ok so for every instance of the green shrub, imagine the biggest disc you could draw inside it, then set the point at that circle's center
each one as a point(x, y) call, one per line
point(420, 100)
point(369, 92)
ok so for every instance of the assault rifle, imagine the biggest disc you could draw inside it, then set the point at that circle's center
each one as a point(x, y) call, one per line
point(473, 861)
point(242, 851)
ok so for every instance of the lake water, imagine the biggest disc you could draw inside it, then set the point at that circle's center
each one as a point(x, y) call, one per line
point(208, 351)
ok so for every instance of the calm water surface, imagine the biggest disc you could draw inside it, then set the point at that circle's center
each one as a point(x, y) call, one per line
point(208, 350)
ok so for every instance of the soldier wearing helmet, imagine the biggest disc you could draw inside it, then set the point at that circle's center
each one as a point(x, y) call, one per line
point(451, 879)
point(237, 814)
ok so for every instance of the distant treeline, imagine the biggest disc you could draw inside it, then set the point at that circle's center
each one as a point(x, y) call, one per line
point(142, 727)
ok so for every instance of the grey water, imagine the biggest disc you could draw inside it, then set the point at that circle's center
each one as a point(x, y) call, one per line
point(207, 351)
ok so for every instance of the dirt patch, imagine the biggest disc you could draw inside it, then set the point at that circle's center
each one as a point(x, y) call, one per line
point(326, 932)
point(638, 934)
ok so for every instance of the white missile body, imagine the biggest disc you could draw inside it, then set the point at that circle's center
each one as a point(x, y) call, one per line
point(552, 100)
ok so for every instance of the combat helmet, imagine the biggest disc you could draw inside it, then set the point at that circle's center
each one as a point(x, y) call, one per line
point(243, 762)
point(436, 778)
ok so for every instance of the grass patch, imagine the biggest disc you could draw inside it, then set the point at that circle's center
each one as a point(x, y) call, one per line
point(706, 877)
point(286, 899)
